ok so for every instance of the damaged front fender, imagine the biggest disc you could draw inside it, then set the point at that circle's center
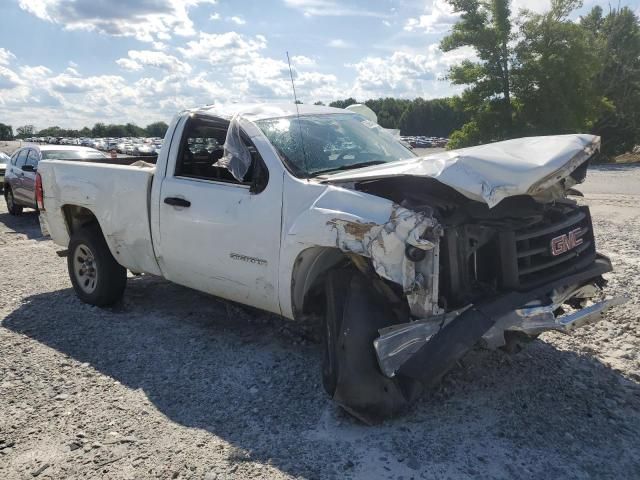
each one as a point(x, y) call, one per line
point(388, 246)
point(403, 245)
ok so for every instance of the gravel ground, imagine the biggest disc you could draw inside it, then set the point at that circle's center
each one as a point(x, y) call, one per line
point(176, 384)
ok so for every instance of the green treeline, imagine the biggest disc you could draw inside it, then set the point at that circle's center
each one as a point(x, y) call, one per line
point(99, 130)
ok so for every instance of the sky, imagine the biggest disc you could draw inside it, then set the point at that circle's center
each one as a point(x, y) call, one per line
point(73, 63)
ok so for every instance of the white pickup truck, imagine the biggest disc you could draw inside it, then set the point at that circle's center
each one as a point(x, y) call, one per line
point(315, 212)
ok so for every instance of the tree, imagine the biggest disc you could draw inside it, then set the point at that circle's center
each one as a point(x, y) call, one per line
point(99, 130)
point(157, 129)
point(438, 117)
point(343, 103)
point(112, 130)
point(25, 131)
point(389, 110)
point(6, 132)
point(555, 72)
point(486, 27)
point(615, 39)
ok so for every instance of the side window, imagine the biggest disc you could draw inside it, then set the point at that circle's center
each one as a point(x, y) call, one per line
point(22, 157)
point(14, 157)
point(202, 146)
point(32, 158)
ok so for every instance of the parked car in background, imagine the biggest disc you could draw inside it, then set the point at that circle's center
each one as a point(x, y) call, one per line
point(146, 150)
point(421, 141)
point(20, 175)
point(4, 160)
point(145, 147)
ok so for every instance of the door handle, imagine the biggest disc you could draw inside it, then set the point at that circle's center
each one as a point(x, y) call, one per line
point(177, 202)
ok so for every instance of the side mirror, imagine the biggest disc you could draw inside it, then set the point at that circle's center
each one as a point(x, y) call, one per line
point(28, 168)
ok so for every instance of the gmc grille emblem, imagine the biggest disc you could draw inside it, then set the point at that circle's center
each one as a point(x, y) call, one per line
point(566, 242)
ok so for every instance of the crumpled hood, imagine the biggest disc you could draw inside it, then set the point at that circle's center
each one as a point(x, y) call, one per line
point(490, 173)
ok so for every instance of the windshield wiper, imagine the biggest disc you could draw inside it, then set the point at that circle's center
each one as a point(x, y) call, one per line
point(350, 167)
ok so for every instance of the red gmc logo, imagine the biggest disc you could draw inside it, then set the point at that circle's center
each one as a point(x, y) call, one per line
point(566, 242)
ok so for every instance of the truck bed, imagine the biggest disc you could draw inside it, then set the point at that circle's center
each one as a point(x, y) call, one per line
point(117, 195)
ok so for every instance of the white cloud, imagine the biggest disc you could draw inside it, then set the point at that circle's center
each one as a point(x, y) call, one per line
point(338, 43)
point(406, 74)
point(302, 61)
point(214, 16)
point(35, 73)
point(6, 56)
point(138, 59)
point(438, 18)
point(145, 20)
point(8, 79)
point(329, 8)
point(537, 6)
point(237, 20)
point(229, 47)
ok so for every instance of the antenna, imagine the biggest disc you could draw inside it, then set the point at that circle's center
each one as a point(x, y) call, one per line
point(295, 100)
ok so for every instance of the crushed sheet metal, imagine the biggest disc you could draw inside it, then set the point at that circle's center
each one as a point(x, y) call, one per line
point(397, 343)
point(490, 173)
point(535, 320)
point(385, 244)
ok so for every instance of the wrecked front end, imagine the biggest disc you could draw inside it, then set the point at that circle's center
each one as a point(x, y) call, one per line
point(471, 273)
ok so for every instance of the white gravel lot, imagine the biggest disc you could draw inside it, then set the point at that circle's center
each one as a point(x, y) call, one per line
point(176, 384)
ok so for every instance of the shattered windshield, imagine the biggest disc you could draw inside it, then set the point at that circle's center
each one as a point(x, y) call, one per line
point(312, 145)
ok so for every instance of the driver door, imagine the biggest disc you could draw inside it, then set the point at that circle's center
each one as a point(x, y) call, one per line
point(217, 234)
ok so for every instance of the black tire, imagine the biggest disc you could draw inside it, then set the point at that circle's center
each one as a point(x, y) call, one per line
point(12, 206)
point(337, 284)
point(350, 373)
point(103, 282)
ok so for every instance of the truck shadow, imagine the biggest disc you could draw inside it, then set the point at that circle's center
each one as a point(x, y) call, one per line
point(214, 366)
point(26, 224)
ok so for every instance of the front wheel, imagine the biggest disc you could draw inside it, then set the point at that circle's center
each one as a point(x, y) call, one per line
point(96, 276)
point(350, 373)
point(12, 206)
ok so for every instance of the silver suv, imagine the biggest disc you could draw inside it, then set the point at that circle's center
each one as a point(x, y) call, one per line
point(20, 175)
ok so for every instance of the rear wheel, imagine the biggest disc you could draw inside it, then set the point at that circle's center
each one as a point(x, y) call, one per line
point(96, 276)
point(12, 206)
point(350, 373)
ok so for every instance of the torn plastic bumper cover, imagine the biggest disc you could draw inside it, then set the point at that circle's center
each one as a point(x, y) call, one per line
point(426, 350)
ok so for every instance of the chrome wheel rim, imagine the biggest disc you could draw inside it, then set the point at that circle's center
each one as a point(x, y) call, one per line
point(85, 268)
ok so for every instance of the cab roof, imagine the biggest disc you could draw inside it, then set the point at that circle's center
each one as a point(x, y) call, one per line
point(263, 111)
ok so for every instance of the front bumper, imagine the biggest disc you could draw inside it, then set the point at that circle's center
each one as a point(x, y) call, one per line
point(425, 349)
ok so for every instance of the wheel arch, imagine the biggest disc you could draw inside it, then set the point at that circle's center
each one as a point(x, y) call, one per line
point(307, 279)
point(76, 217)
